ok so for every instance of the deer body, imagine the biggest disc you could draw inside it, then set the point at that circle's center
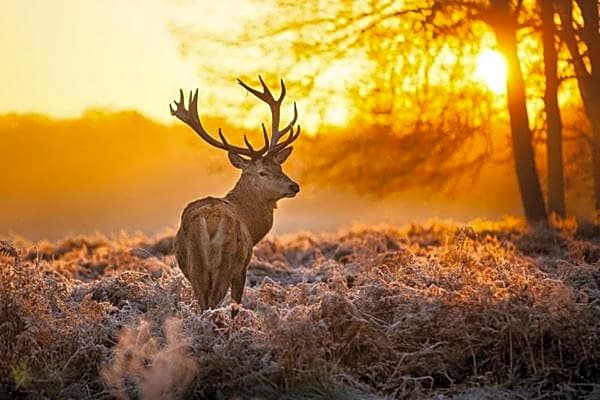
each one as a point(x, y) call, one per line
point(213, 248)
point(213, 245)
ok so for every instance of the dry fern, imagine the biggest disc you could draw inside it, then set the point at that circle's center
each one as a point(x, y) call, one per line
point(495, 310)
point(8, 250)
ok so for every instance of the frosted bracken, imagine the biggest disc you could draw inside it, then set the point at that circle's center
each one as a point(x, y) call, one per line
point(489, 310)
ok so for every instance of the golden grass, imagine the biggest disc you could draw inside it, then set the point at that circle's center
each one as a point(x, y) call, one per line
point(489, 310)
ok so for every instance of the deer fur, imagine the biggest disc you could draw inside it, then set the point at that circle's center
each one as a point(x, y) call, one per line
point(213, 245)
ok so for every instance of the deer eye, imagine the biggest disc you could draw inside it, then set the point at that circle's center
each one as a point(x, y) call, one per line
point(262, 173)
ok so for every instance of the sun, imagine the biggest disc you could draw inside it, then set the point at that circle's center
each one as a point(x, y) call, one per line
point(491, 70)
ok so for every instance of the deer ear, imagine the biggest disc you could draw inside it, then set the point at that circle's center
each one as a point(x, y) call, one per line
point(280, 157)
point(237, 161)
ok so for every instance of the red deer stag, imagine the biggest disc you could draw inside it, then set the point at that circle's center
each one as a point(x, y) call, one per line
point(214, 243)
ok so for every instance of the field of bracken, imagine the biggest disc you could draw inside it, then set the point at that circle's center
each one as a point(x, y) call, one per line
point(489, 310)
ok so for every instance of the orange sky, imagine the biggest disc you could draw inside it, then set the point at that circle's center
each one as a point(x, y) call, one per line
point(63, 56)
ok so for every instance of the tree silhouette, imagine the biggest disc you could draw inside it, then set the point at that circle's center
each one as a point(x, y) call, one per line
point(432, 24)
point(417, 111)
point(582, 38)
point(503, 18)
point(556, 184)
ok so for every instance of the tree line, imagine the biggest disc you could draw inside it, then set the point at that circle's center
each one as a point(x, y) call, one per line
point(414, 54)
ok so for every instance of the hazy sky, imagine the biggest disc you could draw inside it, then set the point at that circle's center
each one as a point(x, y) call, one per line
point(62, 56)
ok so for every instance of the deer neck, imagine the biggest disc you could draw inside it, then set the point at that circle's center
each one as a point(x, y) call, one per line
point(254, 210)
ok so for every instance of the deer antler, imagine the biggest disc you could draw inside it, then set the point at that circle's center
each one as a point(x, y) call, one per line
point(190, 117)
point(275, 106)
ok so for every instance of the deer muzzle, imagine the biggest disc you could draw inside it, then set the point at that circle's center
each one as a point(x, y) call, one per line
point(294, 188)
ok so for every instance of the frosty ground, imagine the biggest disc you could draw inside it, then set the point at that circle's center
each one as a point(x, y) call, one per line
point(490, 310)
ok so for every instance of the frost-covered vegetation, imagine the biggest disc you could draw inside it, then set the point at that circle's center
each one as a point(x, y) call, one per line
point(489, 310)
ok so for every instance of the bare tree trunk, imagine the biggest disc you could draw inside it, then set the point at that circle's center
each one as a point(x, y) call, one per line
point(591, 37)
point(595, 119)
point(504, 25)
point(588, 81)
point(556, 181)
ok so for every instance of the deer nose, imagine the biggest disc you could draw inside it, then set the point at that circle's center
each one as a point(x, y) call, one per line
point(294, 187)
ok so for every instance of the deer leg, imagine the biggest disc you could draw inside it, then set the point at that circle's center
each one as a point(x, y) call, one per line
point(237, 290)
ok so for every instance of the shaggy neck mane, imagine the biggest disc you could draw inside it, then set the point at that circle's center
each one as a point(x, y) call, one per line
point(254, 210)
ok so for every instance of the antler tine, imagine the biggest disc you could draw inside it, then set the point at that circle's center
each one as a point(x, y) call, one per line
point(255, 92)
point(265, 135)
point(248, 143)
point(223, 140)
point(190, 117)
point(283, 91)
point(266, 92)
point(291, 124)
point(275, 146)
point(177, 105)
point(291, 138)
point(275, 105)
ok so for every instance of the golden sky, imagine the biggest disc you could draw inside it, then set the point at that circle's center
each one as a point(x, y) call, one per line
point(63, 56)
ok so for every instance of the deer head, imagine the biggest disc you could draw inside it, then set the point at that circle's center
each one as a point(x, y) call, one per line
point(261, 168)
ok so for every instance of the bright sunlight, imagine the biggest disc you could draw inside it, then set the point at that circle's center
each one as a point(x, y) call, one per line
point(491, 70)
point(337, 115)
